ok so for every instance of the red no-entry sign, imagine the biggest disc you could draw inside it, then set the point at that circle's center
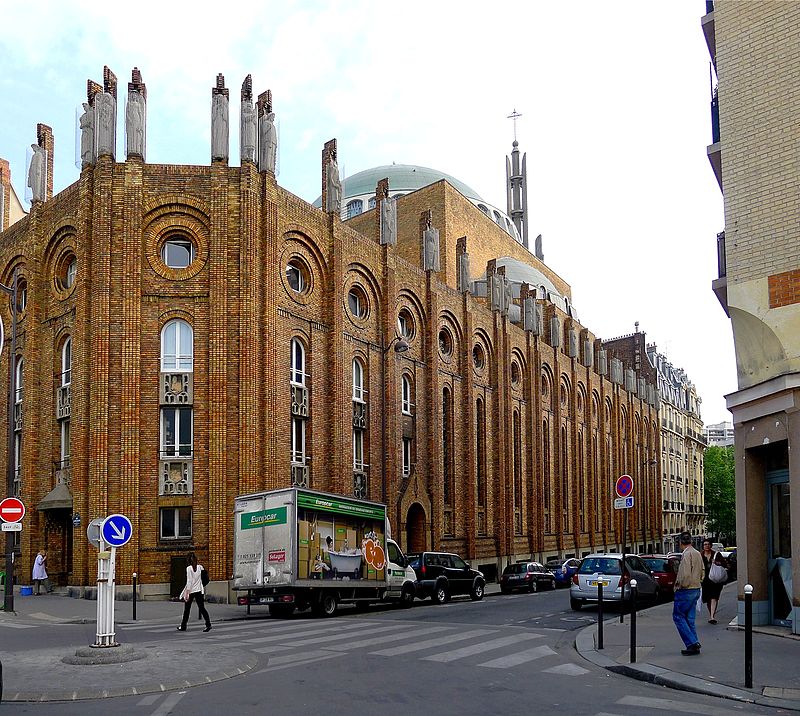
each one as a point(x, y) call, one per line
point(12, 510)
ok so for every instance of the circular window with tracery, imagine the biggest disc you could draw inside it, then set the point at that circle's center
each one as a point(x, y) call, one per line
point(297, 276)
point(405, 324)
point(545, 387)
point(478, 358)
point(357, 302)
point(178, 251)
point(66, 272)
point(516, 374)
point(445, 343)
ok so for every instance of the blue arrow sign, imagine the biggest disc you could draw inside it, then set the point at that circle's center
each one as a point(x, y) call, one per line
point(116, 530)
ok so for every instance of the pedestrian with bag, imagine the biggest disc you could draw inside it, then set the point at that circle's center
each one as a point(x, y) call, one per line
point(39, 573)
point(715, 574)
point(687, 592)
point(194, 591)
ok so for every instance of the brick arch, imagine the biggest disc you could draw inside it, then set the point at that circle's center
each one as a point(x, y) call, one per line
point(298, 243)
point(161, 222)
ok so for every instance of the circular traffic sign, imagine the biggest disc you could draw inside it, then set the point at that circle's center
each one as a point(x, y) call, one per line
point(12, 510)
point(116, 530)
point(93, 532)
point(624, 485)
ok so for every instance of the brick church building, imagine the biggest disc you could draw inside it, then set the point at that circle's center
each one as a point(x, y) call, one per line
point(189, 333)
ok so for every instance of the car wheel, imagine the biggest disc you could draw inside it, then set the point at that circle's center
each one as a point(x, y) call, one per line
point(477, 591)
point(407, 597)
point(440, 593)
point(576, 604)
point(533, 586)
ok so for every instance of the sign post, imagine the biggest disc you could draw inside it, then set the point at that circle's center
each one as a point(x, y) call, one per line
point(108, 534)
point(12, 510)
point(624, 490)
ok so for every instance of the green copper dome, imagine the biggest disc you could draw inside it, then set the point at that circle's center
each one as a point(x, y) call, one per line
point(402, 178)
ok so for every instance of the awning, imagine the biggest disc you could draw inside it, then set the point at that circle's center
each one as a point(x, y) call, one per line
point(59, 498)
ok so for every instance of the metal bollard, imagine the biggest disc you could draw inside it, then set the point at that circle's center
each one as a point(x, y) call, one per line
point(634, 584)
point(134, 596)
point(599, 580)
point(748, 636)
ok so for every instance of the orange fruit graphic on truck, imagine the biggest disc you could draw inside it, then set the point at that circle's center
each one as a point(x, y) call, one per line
point(373, 553)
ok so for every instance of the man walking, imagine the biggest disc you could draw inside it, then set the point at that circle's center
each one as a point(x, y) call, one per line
point(687, 592)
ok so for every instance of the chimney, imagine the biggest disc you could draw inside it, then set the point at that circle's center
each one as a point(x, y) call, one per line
point(5, 193)
point(44, 138)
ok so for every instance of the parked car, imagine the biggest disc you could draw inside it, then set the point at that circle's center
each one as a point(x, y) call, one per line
point(563, 570)
point(442, 575)
point(616, 580)
point(665, 570)
point(530, 576)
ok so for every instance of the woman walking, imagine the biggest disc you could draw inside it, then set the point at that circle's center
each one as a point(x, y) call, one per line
point(194, 591)
point(39, 573)
point(711, 590)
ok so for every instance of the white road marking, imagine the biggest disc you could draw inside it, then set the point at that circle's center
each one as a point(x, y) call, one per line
point(431, 643)
point(149, 700)
point(297, 663)
point(329, 631)
point(337, 636)
point(292, 658)
point(672, 705)
point(521, 657)
point(566, 670)
point(473, 649)
point(169, 703)
point(11, 625)
point(388, 637)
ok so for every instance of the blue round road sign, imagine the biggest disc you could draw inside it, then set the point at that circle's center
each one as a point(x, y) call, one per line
point(624, 486)
point(116, 530)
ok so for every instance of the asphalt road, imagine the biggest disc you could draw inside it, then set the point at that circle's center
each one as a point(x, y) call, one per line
point(505, 655)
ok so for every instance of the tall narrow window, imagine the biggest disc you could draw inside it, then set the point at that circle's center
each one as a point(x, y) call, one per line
point(18, 380)
point(581, 486)
point(298, 441)
point(66, 362)
point(407, 396)
point(358, 450)
point(447, 455)
point(406, 456)
point(177, 346)
point(298, 362)
point(176, 432)
point(598, 511)
point(65, 449)
point(17, 464)
point(358, 381)
point(480, 451)
point(517, 452)
point(564, 481)
point(546, 473)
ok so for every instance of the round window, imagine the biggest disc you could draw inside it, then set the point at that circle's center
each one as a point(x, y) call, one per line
point(22, 295)
point(478, 357)
point(405, 324)
point(580, 403)
point(563, 395)
point(445, 342)
point(515, 373)
point(178, 252)
point(545, 387)
point(357, 302)
point(297, 276)
point(66, 270)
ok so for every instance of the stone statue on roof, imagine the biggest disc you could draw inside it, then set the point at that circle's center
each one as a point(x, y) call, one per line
point(135, 124)
point(37, 173)
point(334, 186)
point(389, 221)
point(219, 127)
point(105, 117)
point(430, 254)
point(247, 128)
point(87, 135)
point(267, 143)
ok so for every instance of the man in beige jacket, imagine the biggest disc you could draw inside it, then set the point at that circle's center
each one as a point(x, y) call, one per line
point(687, 592)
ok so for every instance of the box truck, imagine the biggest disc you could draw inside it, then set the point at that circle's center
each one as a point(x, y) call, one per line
point(296, 549)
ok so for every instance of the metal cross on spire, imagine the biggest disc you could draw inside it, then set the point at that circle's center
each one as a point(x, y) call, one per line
point(515, 116)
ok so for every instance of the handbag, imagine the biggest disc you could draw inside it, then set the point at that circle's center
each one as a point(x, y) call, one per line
point(718, 574)
point(204, 577)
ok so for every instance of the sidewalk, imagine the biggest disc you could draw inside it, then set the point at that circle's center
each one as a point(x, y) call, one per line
point(717, 671)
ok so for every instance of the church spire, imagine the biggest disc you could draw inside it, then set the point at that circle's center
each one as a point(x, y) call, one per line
point(517, 186)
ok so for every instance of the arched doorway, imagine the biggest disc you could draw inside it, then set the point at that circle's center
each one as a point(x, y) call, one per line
point(416, 529)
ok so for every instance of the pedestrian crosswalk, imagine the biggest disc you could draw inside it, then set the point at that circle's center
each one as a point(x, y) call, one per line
point(301, 641)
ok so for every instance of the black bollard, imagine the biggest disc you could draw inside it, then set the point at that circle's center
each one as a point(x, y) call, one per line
point(748, 636)
point(600, 612)
point(134, 596)
point(633, 621)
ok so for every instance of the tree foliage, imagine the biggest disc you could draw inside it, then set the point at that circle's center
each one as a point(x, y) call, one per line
point(720, 492)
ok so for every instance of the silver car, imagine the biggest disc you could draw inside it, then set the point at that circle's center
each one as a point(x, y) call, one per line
point(616, 585)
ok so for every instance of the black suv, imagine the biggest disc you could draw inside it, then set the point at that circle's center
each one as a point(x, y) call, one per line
point(441, 575)
point(530, 576)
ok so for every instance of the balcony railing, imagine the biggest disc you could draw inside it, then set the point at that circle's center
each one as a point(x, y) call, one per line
point(714, 117)
point(63, 401)
point(722, 257)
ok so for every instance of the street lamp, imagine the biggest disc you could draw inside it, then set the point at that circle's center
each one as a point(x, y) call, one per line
point(400, 345)
point(8, 601)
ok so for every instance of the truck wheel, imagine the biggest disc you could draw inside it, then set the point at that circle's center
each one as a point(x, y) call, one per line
point(326, 606)
point(281, 611)
point(476, 593)
point(407, 597)
point(441, 593)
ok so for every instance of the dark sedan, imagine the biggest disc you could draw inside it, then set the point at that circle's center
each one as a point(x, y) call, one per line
point(530, 576)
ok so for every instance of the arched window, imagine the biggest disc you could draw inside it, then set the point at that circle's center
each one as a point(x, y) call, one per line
point(372, 202)
point(298, 370)
point(407, 402)
point(66, 362)
point(358, 381)
point(354, 208)
point(177, 346)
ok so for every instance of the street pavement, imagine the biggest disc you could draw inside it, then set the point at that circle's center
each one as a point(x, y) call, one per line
point(717, 671)
point(512, 642)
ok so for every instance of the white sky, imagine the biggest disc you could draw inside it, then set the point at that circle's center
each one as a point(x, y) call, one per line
point(614, 98)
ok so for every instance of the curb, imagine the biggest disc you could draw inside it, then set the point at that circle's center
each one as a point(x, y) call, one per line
point(88, 694)
point(585, 646)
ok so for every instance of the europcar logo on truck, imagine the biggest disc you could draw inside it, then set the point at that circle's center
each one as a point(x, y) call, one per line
point(263, 518)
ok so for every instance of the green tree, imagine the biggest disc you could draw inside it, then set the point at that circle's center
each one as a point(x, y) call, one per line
point(720, 492)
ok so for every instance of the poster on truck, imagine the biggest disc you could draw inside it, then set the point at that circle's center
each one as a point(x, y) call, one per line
point(264, 537)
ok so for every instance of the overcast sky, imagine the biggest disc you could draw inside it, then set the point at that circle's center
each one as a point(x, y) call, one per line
point(615, 120)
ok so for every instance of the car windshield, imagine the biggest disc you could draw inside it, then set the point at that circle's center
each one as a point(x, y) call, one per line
point(601, 565)
point(514, 569)
point(657, 565)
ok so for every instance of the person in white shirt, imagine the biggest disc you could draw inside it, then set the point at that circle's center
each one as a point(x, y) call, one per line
point(194, 591)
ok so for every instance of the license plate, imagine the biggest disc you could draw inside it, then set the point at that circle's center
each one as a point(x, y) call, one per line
point(595, 582)
point(266, 600)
